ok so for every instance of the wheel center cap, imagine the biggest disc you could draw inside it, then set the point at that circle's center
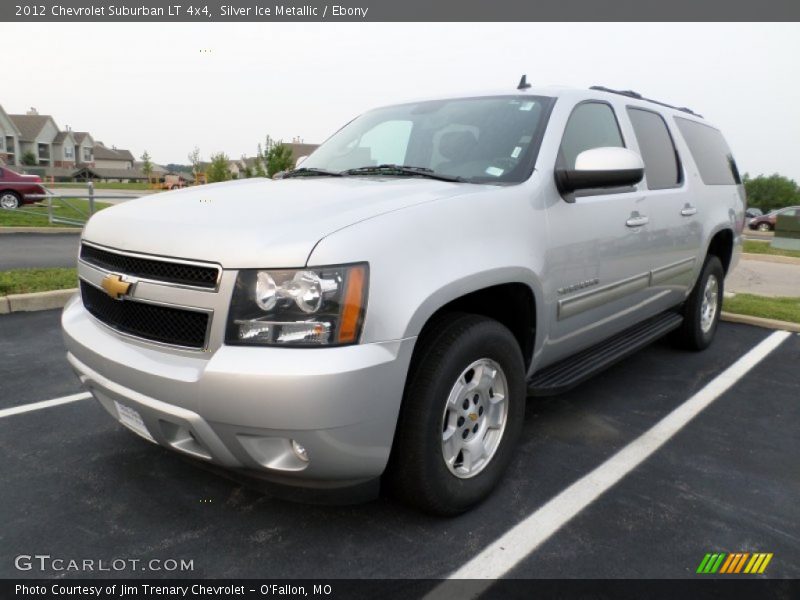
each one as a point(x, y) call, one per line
point(473, 417)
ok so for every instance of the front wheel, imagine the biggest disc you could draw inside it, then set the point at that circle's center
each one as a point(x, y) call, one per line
point(9, 200)
point(462, 415)
point(764, 227)
point(703, 307)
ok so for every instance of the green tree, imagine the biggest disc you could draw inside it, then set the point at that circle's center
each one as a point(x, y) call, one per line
point(279, 158)
point(771, 192)
point(28, 159)
point(147, 165)
point(219, 169)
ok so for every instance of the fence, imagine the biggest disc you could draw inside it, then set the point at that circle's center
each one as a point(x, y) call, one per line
point(80, 215)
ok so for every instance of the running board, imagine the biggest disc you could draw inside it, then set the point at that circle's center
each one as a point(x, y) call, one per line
point(571, 371)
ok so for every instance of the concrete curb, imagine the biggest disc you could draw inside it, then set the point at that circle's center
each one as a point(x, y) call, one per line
point(40, 230)
point(787, 260)
point(35, 301)
point(760, 322)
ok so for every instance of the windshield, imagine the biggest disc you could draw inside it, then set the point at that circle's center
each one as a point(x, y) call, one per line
point(479, 140)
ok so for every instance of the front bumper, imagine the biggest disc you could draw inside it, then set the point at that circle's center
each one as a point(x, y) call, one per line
point(241, 407)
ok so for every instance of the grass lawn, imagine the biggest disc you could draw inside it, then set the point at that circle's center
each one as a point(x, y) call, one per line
point(36, 215)
point(753, 247)
point(782, 309)
point(105, 185)
point(24, 281)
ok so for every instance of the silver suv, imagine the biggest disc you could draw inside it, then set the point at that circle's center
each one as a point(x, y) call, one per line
point(382, 312)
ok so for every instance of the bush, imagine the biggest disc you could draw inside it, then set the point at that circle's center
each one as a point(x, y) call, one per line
point(218, 170)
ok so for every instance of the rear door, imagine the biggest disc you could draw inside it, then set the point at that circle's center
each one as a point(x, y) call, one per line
point(676, 232)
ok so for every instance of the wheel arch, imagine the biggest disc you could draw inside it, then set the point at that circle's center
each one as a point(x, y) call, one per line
point(510, 300)
point(721, 245)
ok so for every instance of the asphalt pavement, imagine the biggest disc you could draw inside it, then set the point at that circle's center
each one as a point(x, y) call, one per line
point(78, 485)
point(38, 250)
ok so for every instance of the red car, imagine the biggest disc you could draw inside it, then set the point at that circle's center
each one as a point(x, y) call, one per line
point(17, 189)
point(767, 222)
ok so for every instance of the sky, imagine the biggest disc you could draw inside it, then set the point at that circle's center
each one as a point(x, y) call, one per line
point(169, 87)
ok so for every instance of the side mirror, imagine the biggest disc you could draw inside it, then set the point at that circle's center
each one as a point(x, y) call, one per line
point(601, 168)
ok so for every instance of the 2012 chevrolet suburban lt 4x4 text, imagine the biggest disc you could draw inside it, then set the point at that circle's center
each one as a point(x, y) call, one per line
point(382, 312)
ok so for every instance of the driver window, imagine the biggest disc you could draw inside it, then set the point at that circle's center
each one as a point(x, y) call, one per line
point(591, 125)
point(452, 139)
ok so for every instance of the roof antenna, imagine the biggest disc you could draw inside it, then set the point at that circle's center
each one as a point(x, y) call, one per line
point(523, 83)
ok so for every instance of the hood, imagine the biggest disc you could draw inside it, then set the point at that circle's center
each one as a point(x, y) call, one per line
point(256, 223)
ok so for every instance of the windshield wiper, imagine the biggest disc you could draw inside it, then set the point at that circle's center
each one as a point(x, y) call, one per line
point(401, 170)
point(310, 172)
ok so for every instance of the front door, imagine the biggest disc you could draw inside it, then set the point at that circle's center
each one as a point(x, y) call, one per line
point(597, 265)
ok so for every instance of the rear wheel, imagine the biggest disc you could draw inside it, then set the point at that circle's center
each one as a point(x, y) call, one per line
point(702, 309)
point(462, 415)
point(9, 200)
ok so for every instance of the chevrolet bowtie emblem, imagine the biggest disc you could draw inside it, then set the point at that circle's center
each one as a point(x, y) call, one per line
point(115, 287)
point(473, 417)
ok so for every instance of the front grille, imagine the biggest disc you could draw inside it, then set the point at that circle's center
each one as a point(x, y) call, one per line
point(164, 324)
point(149, 268)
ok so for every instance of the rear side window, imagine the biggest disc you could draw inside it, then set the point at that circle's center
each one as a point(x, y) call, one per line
point(710, 152)
point(661, 165)
point(591, 125)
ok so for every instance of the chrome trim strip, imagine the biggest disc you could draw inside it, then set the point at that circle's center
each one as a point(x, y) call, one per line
point(159, 258)
point(208, 311)
point(668, 272)
point(569, 307)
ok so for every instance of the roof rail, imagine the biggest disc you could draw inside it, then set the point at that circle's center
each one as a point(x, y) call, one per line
point(632, 94)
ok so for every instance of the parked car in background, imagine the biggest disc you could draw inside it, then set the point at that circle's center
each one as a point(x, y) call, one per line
point(767, 222)
point(17, 189)
point(752, 213)
point(173, 182)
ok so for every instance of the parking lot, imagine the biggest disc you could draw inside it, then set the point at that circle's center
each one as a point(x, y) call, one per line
point(77, 485)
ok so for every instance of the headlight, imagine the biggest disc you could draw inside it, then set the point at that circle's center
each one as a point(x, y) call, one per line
point(305, 307)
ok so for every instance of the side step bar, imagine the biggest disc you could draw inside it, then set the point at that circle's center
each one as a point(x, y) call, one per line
point(571, 371)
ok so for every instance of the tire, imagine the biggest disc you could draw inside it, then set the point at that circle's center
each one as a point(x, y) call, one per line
point(703, 307)
point(9, 200)
point(764, 227)
point(448, 358)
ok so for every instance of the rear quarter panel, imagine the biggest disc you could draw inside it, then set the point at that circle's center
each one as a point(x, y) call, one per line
point(719, 207)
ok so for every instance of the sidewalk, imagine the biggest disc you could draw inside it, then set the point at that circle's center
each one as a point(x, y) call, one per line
point(764, 277)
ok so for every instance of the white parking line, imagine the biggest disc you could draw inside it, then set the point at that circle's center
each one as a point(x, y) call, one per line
point(18, 410)
point(508, 550)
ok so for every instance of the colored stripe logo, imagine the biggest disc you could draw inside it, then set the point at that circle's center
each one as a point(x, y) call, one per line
point(734, 563)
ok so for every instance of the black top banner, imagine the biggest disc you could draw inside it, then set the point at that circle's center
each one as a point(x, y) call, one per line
point(204, 11)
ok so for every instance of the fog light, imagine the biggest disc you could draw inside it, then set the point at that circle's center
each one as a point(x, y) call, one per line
point(300, 451)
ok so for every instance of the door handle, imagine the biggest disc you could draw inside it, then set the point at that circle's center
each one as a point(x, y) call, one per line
point(637, 220)
point(688, 211)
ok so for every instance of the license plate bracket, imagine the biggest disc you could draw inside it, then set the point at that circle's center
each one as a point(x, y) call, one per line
point(131, 419)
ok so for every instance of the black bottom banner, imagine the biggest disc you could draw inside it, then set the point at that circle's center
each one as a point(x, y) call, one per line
point(390, 589)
